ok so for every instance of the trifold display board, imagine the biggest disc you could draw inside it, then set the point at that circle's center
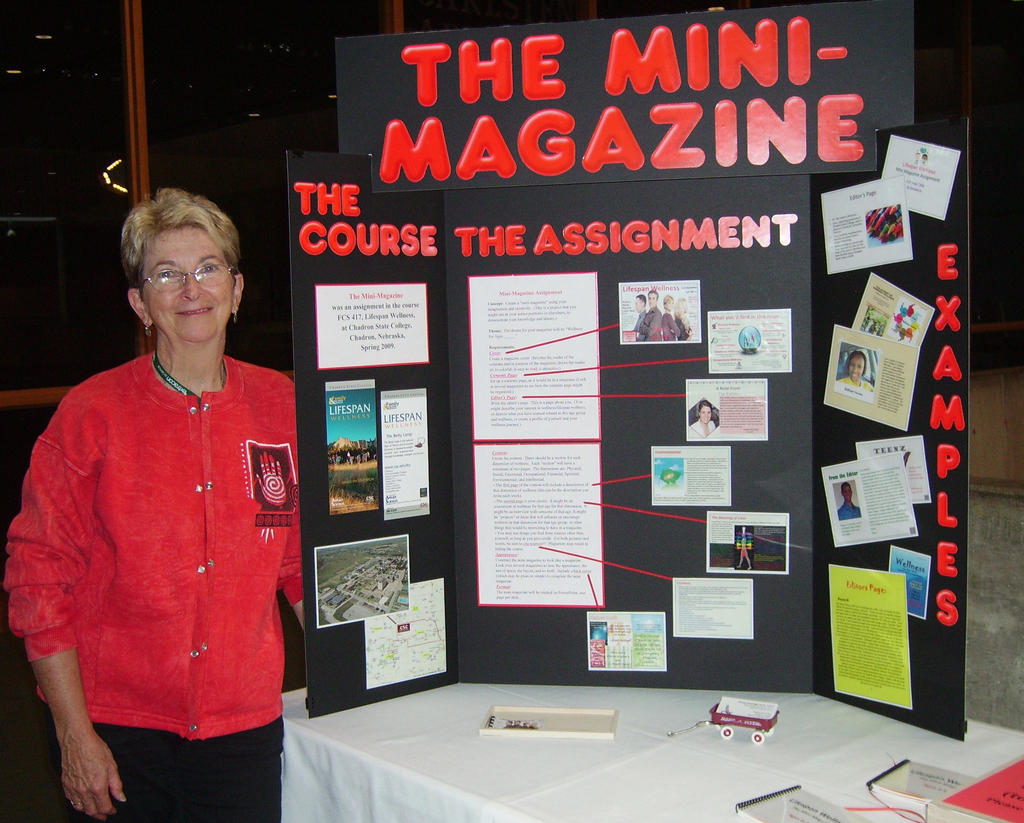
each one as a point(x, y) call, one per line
point(616, 344)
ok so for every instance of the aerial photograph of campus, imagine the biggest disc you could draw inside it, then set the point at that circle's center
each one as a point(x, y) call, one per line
point(363, 579)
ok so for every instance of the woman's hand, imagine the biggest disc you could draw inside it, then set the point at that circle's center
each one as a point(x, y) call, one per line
point(88, 771)
point(89, 774)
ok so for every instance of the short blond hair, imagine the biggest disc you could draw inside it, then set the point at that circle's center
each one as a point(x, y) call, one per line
point(173, 209)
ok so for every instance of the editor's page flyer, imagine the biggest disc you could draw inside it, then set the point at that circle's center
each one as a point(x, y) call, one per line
point(535, 358)
point(870, 638)
point(867, 225)
point(871, 377)
point(869, 500)
point(727, 409)
point(911, 449)
point(538, 521)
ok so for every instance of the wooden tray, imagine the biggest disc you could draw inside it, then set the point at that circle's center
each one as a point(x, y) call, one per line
point(547, 721)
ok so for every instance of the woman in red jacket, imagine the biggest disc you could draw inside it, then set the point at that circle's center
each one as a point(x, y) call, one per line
point(159, 518)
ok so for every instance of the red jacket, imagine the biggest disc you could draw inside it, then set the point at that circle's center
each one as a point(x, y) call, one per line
point(155, 530)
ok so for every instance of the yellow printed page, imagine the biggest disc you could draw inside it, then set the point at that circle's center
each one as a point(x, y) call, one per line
point(870, 645)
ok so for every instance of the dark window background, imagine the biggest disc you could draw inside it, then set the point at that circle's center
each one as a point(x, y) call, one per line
point(230, 87)
point(61, 125)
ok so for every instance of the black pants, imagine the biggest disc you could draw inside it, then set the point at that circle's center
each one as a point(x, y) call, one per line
point(168, 779)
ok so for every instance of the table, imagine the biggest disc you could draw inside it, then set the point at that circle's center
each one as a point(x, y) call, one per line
point(420, 758)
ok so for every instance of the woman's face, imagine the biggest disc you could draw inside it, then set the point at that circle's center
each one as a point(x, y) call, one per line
point(705, 414)
point(668, 302)
point(855, 368)
point(195, 312)
point(682, 306)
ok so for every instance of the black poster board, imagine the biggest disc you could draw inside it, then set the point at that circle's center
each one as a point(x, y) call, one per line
point(642, 407)
point(335, 658)
point(938, 275)
point(748, 229)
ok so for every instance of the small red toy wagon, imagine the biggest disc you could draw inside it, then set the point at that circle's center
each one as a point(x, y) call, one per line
point(761, 727)
point(731, 713)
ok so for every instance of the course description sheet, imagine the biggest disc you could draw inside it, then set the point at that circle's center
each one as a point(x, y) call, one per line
point(538, 522)
point(535, 359)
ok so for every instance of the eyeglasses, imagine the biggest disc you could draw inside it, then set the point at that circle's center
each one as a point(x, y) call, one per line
point(210, 275)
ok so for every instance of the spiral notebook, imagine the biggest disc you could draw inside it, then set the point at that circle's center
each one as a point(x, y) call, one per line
point(794, 804)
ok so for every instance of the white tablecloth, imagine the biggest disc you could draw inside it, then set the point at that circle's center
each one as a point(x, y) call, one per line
point(420, 758)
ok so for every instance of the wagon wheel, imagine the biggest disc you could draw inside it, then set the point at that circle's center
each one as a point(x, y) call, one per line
point(726, 732)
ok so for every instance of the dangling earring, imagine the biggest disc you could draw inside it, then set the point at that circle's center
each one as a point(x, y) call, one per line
point(234, 316)
point(148, 332)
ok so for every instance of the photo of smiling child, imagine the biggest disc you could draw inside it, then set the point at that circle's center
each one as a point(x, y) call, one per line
point(856, 371)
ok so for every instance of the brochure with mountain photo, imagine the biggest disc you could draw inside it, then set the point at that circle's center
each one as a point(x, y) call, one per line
point(352, 470)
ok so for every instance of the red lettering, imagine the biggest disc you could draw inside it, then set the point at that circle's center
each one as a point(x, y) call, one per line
point(698, 238)
point(946, 559)
point(514, 240)
point(308, 242)
point(947, 416)
point(947, 614)
point(389, 240)
point(726, 143)
point(349, 200)
point(573, 236)
point(538, 67)
point(947, 366)
point(788, 135)
point(597, 240)
point(736, 51)
point(367, 243)
point(658, 62)
point(473, 71)
point(947, 313)
point(681, 118)
point(304, 190)
point(486, 150)
point(345, 244)
point(947, 261)
point(466, 234)
point(490, 241)
point(945, 518)
point(425, 58)
point(727, 233)
point(832, 127)
point(325, 198)
point(612, 142)
point(410, 242)
point(428, 247)
point(547, 240)
point(401, 154)
point(635, 237)
point(698, 57)
point(662, 235)
point(760, 231)
point(558, 154)
point(948, 459)
point(799, 32)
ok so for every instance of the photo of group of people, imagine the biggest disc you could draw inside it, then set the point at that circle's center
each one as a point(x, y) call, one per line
point(660, 312)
